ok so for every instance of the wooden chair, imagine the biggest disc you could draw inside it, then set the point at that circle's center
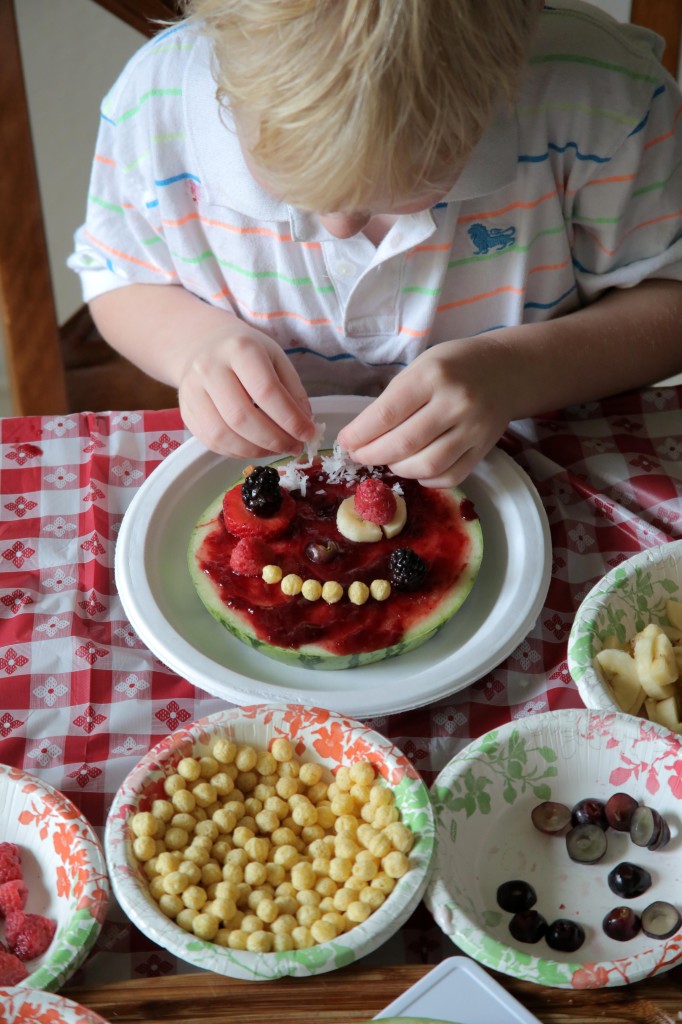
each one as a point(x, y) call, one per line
point(56, 368)
point(53, 368)
point(664, 17)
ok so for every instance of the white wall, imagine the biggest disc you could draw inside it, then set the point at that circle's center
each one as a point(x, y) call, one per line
point(72, 51)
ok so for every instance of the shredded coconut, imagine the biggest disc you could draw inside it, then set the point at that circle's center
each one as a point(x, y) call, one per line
point(339, 467)
point(292, 476)
point(397, 489)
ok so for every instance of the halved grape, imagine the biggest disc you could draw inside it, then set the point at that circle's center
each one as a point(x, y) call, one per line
point(629, 880)
point(565, 935)
point(528, 926)
point(551, 817)
point(648, 828)
point(619, 810)
point(621, 923)
point(586, 844)
point(516, 895)
point(660, 920)
point(590, 811)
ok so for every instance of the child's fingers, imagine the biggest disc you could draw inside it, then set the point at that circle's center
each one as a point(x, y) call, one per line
point(406, 441)
point(274, 387)
point(202, 418)
point(398, 402)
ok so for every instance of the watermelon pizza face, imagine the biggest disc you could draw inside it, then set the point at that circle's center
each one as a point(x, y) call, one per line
point(330, 565)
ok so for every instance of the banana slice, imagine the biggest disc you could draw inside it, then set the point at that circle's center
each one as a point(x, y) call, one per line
point(354, 527)
point(393, 527)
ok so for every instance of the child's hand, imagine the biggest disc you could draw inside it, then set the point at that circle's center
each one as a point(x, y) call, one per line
point(438, 417)
point(241, 396)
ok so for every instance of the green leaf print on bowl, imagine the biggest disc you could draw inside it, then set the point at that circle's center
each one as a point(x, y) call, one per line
point(512, 763)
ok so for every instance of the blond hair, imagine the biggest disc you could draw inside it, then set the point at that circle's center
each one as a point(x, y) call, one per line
point(359, 99)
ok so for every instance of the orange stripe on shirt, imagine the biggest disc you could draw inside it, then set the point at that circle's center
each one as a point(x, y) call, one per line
point(171, 274)
point(411, 332)
point(667, 135)
point(548, 266)
point(480, 297)
point(483, 214)
point(443, 247)
point(105, 160)
point(226, 293)
point(267, 232)
point(613, 180)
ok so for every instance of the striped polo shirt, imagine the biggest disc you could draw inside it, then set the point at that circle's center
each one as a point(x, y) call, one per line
point(575, 191)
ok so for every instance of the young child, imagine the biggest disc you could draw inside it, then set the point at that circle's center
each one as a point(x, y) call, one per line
point(470, 209)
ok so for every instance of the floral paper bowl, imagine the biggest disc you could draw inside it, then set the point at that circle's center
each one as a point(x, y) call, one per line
point(484, 837)
point(621, 604)
point(319, 736)
point(17, 1006)
point(64, 867)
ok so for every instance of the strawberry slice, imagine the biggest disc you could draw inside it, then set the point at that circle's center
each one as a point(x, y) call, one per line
point(243, 523)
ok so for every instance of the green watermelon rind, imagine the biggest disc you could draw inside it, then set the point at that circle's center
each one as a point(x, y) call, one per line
point(314, 656)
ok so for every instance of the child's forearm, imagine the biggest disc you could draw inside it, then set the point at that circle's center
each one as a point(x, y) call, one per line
point(158, 327)
point(627, 339)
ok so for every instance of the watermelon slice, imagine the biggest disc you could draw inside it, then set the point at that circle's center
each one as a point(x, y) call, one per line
point(442, 528)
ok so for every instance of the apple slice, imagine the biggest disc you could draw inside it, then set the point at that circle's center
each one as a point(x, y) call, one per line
point(655, 662)
point(673, 610)
point(620, 672)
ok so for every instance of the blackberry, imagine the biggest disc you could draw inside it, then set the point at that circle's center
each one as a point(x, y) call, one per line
point(261, 492)
point(408, 570)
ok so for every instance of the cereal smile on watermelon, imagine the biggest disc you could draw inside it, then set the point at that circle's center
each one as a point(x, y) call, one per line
point(330, 565)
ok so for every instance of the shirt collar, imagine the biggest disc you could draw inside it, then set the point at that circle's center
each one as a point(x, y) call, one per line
point(214, 145)
point(493, 163)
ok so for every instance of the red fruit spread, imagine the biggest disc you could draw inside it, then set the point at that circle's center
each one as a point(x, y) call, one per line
point(434, 529)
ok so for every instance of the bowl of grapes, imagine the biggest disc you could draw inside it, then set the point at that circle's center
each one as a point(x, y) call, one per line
point(558, 853)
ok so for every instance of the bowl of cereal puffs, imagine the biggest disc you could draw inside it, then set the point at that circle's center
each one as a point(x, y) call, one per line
point(266, 841)
point(625, 647)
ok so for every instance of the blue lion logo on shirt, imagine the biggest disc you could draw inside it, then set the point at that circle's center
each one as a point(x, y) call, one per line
point(486, 239)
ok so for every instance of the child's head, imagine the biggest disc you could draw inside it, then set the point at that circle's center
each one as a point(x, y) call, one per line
point(350, 101)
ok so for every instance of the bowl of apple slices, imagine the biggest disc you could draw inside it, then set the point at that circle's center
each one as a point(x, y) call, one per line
point(625, 647)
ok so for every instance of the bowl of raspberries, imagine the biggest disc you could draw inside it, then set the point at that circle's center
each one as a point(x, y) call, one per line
point(54, 888)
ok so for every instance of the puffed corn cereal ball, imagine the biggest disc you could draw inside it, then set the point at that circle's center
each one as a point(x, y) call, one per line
point(254, 850)
point(291, 584)
point(332, 592)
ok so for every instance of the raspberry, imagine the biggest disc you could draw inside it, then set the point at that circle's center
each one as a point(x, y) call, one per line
point(29, 935)
point(10, 863)
point(12, 971)
point(249, 556)
point(13, 896)
point(374, 501)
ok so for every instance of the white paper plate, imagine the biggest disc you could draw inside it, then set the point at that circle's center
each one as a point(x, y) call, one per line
point(160, 601)
point(458, 991)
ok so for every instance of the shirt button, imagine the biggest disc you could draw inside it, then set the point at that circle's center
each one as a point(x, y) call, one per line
point(344, 268)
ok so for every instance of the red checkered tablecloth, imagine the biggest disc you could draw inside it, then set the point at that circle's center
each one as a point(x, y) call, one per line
point(82, 699)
